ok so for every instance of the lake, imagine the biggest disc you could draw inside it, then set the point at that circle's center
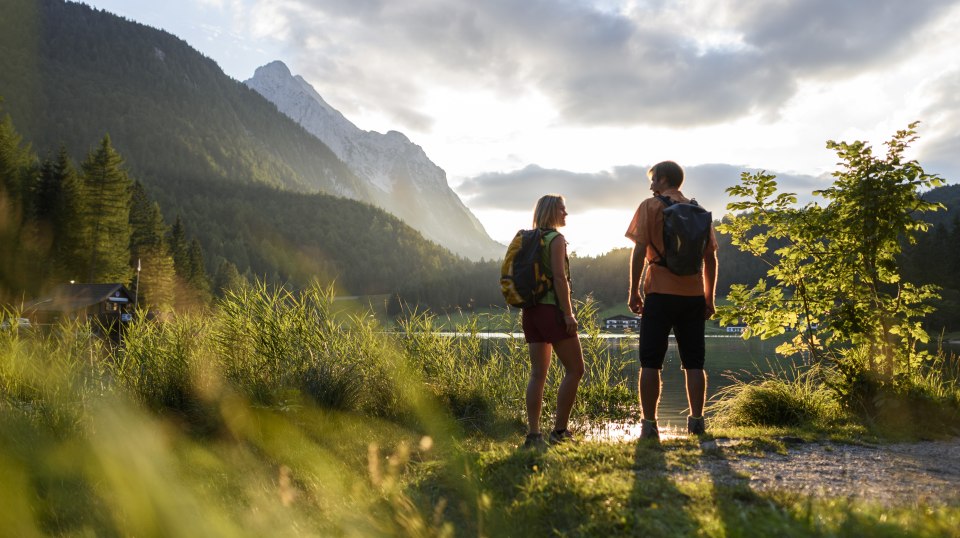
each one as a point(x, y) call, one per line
point(728, 357)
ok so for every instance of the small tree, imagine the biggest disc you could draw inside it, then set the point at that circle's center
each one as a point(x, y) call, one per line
point(837, 279)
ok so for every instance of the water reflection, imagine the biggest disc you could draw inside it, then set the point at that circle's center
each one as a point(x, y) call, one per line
point(612, 432)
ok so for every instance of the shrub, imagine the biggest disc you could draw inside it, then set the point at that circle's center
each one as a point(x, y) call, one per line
point(796, 399)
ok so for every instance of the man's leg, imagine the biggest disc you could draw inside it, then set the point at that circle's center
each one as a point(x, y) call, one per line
point(696, 390)
point(649, 392)
point(539, 365)
point(654, 339)
point(691, 344)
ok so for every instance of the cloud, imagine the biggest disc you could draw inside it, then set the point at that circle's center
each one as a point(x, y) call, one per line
point(620, 189)
point(663, 63)
point(940, 146)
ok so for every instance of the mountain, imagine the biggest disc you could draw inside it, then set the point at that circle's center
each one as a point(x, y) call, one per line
point(400, 177)
point(949, 196)
point(252, 186)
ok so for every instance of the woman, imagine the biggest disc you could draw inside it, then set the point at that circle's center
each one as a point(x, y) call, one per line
point(551, 326)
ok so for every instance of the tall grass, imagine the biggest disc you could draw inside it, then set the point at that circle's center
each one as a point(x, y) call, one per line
point(268, 415)
point(920, 402)
point(780, 398)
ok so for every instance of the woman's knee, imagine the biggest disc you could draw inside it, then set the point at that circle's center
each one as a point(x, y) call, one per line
point(538, 373)
point(576, 369)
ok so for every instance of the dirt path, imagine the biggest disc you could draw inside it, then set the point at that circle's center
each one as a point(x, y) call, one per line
point(895, 474)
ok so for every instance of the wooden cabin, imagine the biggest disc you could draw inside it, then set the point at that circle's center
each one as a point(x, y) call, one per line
point(107, 304)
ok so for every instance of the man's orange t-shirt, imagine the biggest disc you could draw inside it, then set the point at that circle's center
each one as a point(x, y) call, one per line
point(647, 227)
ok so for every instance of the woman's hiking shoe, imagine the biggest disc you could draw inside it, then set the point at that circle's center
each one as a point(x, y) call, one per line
point(559, 437)
point(534, 441)
point(696, 426)
point(649, 431)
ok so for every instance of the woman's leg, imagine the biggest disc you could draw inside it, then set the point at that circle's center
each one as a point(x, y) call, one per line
point(539, 365)
point(571, 357)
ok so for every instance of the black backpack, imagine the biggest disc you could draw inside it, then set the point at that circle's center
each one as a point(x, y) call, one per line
point(523, 279)
point(686, 232)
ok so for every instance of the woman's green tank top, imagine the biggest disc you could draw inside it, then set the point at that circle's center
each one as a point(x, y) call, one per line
point(551, 296)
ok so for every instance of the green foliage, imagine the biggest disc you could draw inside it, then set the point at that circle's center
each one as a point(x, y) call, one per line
point(106, 215)
point(176, 433)
point(58, 203)
point(837, 281)
point(149, 253)
point(17, 168)
point(798, 398)
point(923, 402)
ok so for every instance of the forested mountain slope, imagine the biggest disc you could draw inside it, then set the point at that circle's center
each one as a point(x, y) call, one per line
point(245, 178)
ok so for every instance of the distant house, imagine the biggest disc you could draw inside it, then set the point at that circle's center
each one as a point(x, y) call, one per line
point(104, 303)
point(621, 321)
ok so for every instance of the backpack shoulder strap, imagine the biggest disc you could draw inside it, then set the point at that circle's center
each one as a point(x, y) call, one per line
point(661, 260)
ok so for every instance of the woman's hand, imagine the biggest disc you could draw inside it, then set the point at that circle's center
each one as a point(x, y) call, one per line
point(571, 323)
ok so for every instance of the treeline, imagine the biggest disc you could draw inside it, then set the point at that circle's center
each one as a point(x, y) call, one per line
point(935, 259)
point(61, 223)
point(604, 278)
point(93, 223)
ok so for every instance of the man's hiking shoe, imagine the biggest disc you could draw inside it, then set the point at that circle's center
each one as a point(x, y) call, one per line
point(560, 437)
point(649, 431)
point(534, 441)
point(696, 426)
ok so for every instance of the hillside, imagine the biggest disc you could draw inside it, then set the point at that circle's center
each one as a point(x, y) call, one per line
point(948, 195)
point(247, 180)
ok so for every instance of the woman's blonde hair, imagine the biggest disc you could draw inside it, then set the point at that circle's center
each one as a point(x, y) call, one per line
point(548, 214)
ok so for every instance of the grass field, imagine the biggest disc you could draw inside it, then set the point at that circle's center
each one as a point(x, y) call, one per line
point(281, 414)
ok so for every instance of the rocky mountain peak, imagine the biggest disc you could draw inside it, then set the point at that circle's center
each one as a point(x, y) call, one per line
point(402, 179)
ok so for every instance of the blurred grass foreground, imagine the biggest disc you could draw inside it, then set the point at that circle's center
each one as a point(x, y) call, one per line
point(268, 415)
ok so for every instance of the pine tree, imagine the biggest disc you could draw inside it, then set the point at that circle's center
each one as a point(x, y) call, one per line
point(149, 253)
point(17, 168)
point(198, 270)
point(227, 278)
point(106, 211)
point(179, 249)
point(57, 207)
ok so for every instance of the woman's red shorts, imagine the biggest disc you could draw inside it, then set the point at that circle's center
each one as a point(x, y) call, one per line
point(543, 323)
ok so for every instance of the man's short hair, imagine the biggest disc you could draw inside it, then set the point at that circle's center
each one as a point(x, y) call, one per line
point(668, 171)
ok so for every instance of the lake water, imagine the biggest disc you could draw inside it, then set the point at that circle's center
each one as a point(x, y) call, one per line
point(728, 358)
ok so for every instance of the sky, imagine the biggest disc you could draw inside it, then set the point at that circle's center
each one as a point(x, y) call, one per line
point(519, 98)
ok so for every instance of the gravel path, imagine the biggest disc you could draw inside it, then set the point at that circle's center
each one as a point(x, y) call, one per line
point(896, 474)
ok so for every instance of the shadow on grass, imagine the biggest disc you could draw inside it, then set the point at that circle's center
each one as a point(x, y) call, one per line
point(656, 506)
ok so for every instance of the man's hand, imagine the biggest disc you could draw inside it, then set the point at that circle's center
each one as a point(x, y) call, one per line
point(710, 310)
point(635, 302)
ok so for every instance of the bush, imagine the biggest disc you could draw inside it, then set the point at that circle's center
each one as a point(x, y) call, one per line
point(920, 402)
point(797, 399)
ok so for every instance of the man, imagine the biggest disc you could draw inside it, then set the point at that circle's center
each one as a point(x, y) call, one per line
point(669, 301)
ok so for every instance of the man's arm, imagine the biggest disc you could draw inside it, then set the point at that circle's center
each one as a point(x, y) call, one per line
point(710, 281)
point(634, 301)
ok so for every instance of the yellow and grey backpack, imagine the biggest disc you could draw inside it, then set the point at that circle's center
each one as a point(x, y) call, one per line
point(523, 278)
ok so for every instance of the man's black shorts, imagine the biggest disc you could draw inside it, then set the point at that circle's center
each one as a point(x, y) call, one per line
point(685, 316)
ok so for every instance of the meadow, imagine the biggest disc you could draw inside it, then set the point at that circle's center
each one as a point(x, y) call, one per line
point(279, 414)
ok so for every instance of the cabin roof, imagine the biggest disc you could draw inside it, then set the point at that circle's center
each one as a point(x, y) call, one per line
point(69, 297)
